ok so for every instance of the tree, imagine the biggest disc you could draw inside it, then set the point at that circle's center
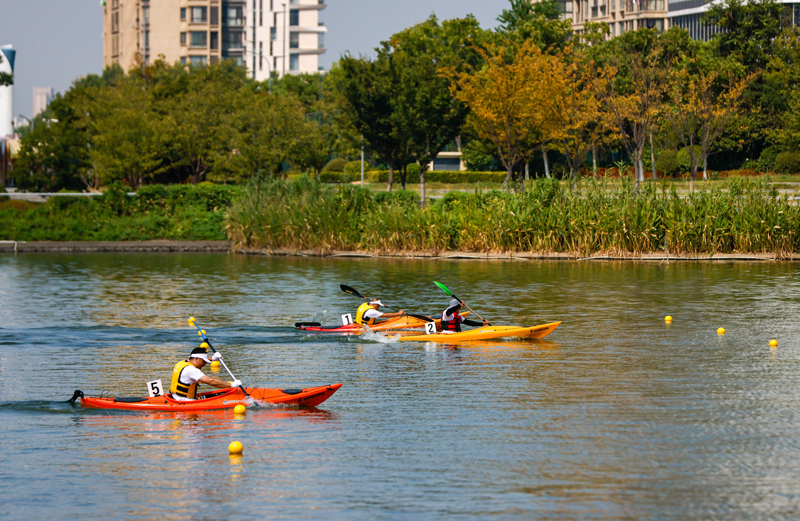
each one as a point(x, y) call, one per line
point(702, 105)
point(372, 90)
point(5, 78)
point(508, 100)
point(576, 117)
point(426, 106)
point(539, 22)
point(631, 86)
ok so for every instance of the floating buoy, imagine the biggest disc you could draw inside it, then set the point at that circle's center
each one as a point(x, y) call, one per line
point(668, 319)
point(191, 321)
point(205, 345)
point(239, 409)
point(214, 365)
point(773, 343)
point(201, 332)
point(235, 447)
point(721, 331)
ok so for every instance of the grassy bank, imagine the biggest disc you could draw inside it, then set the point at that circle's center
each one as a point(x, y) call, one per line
point(180, 212)
point(738, 215)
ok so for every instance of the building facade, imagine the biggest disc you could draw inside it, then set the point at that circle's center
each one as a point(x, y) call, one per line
point(628, 15)
point(284, 36)
point(41, 99)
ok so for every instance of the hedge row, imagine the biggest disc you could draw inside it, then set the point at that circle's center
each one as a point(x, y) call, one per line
point(438, 176)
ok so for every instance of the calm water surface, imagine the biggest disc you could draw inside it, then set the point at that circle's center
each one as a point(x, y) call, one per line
point(614, 416)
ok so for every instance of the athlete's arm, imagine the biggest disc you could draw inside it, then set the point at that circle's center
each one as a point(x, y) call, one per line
point(214, 382)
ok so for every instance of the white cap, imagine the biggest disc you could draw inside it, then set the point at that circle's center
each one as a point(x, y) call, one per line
point(376, 301)
point(201, 356)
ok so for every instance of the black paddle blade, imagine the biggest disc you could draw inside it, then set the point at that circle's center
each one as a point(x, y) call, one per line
point(421, 317)
point(306, 324)
point(348, 289)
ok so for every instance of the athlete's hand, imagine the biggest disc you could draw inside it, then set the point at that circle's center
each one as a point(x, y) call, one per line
point(236, 383)
point(217, 356)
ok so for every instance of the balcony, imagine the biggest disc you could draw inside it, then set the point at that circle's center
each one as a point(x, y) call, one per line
point(644, 6)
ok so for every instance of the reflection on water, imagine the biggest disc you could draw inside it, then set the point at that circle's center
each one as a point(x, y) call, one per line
point(615, 415)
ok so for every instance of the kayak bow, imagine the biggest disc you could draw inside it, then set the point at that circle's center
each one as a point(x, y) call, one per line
point(217, 399)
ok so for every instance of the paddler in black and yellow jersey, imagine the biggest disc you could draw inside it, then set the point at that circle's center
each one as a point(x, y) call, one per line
point(452, 320)
point(367, 313)
point(187, 374)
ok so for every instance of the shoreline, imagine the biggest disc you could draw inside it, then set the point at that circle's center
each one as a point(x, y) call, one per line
point(174, 246)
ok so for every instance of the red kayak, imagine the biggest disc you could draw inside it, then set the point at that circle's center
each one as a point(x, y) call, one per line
point(218, 399)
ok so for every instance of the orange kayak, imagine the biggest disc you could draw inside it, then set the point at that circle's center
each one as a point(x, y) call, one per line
point(486, 333)
point(218, 399)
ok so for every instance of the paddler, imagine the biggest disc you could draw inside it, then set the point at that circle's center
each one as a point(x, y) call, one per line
point(452, 320)
point(367, 313)
point(187, 374)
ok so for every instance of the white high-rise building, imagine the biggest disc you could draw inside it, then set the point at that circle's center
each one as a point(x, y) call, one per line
point(7, 92)
point(41, 99)
point(264, 35)
point(285, 36)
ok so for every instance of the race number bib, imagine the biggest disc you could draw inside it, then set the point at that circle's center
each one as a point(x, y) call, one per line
point(155, 388)
point(347, 319)
point(430, 328)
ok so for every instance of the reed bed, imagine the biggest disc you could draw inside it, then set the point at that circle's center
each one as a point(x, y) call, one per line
point(739, 215)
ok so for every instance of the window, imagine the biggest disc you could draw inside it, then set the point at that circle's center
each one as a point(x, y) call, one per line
point(199, 14)
point(294, 17)
point(275, 63)
point(198, 61)
point(294, 40)
point(294, 1)
point(198, 39)
point(183, 38)
point(214, 40)
point(183, 13)
point(273, 33)
point(114, 4)
point(232, 40)
point(261, 56)
point(270, 6)
point(271, 51)
point(260, 12)
point(294, 62)
point(233, 16)
point(214, 15)
point(214, 60)
point(321, 40)
point(147, 39)
point(238, 60)
point(146, 14)
point(183, 60)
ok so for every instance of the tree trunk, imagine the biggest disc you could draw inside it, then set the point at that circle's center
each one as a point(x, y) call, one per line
point(422, 185)
point(641, 167)
point(594, 161)
point(546, 164)
point(705, 168)
point(653, 157)
point(691, 181)
point(403, 176)
point(509, 178)
point(527, 171)
point(391, 176)
point(574, 178)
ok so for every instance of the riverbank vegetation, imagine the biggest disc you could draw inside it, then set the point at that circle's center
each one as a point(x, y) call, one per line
point(181, 212)
point(527, 99)
point(738, 215)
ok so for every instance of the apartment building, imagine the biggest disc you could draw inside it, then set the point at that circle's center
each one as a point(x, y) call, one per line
point(284, 36)
point(629, 15)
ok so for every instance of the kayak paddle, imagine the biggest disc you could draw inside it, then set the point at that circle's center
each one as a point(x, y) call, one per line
point(351, 291)
point(444, 288)
point(202, 333)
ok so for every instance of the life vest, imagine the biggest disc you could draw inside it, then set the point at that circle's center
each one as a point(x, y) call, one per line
point(179, 388)
point(452, 325)
point(360, 315)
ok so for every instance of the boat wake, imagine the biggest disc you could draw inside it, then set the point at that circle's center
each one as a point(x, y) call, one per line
point(372, 336)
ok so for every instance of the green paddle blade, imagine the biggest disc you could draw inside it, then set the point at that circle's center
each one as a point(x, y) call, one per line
point(444, 288)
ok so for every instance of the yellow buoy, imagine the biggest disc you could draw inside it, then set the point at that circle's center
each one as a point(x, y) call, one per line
point(204, 345)
point(235, 447)
point(201, 332)
point(773, 343)
point(721, 331)
point(668, 319)
point(191, 321)
point(215, 365)
point(239, 409)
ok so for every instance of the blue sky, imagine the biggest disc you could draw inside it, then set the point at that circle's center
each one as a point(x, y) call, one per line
point(58, 41)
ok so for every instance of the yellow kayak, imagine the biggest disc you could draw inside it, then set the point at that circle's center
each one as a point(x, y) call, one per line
point(486, 333)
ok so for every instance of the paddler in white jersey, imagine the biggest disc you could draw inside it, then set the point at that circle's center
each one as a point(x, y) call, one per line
point(367, 313)
point(187, 374)
point(452, 320)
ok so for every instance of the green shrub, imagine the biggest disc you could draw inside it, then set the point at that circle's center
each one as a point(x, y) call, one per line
point(766, 161)
point(787, 163)
point(412, 172)
point(353, 168)
point(477, 160)
point(684, 163)
point(667, 162)
point(335, 165)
